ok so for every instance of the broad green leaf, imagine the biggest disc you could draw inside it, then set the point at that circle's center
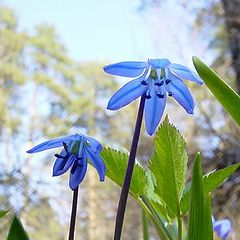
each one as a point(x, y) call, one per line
point(3, 213)
point(169, 165)
point(200, 207)
point(229, 99)
point(150, 190)
point(211, 181)
point(116, 164)
point(154, 199)
point(16, 231)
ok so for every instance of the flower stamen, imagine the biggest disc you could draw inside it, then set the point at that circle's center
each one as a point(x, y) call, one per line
point(159, 84)
point(147, 96)
point(65, 146)
point(143, 82)
point(160, 95)
point(59, 156)
point(167, 81)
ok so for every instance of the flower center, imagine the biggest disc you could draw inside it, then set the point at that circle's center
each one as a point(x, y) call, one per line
point(75, 147)
point(153, 74)
point(163, 73)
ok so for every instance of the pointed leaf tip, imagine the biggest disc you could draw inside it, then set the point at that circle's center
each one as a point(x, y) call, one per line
point(17, 231)
point(3, 213)
point(226, 96)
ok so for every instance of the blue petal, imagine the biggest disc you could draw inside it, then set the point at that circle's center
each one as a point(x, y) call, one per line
point(98, 163)
point(159, 63)
point(222, 227)
point(61, 165)
point(78, 172)
point(181, 94)
point(154, 108)
point(127, 94)
point(126, 69)
point(184, 73)
point(54, 143)
point(95, 145)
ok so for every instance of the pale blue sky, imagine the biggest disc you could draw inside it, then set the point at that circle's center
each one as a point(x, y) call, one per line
point(113, 30)
point(92, 29)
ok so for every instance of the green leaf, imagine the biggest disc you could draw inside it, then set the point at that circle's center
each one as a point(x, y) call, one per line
point(16, 231)
point(211, 181)
point(200, 207)
point(3, 213)
point(229, 99)
point(116, 164)
point(208, 227)
point(216, 178)
point(158, 221)
point(145, 225)
point(169, 165)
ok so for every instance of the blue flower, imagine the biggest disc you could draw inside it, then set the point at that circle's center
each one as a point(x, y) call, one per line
point(222, 227)
point(153, 79)
point(77, 149)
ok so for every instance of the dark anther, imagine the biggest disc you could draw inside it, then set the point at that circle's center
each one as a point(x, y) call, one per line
point(143, 82)
point(147, 96)
point(159, 83)
point(160, 95)
point(59, 156)
point(65, 146)
point(167, 81)
point(170, 94)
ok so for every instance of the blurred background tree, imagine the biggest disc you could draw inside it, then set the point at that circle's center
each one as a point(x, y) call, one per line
point(45, 93)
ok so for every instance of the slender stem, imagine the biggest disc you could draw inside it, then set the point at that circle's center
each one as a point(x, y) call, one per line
point(128, 176)
point(145, 225)
point(73, 214)
point(179, 228)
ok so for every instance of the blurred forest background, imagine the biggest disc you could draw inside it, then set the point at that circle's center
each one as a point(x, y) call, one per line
point(44, 93)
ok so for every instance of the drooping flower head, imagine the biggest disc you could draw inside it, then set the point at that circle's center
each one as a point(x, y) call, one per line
point(222, 227)
point(77, 149)
point(154, 79)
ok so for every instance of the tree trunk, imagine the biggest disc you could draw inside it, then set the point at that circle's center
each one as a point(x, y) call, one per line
point(232, 20)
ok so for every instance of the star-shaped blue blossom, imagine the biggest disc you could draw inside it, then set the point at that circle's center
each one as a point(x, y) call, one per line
point(77, 149)
point(153, 79)
point(222, 227)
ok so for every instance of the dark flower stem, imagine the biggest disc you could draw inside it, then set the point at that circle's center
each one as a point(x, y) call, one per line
point(128, 176)
point(73, 214)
